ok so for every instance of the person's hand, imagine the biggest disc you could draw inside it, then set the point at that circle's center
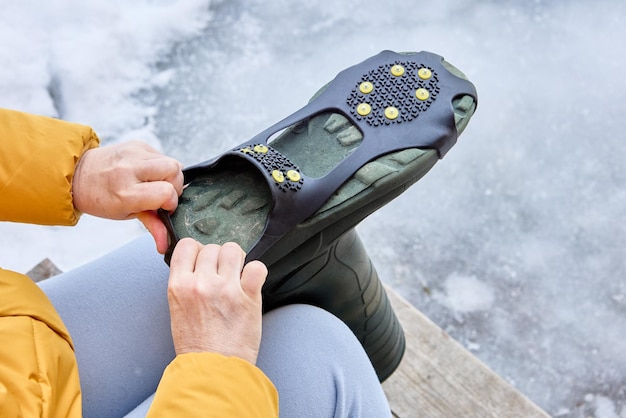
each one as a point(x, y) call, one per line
point(215, 301)
point(128, 180)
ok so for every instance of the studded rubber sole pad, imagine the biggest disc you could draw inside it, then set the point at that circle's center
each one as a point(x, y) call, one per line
point(319, 261)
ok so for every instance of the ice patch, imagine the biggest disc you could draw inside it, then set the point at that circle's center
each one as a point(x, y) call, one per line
point(467, 293)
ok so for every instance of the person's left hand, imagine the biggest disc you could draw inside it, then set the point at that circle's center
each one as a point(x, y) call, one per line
point(215, 300)
point(128, 180)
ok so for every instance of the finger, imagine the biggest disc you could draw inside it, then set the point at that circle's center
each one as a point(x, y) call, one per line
point(152, 195)
point(207, 261)
point(184, 257)
point(162, 168)
point(176, 177)
point(253, 277)
point(231, 261)
point(178, 181)
point(170, 203)
point(157, 229)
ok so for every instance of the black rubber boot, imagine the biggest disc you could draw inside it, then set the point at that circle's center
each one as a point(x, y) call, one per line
point(340, 278)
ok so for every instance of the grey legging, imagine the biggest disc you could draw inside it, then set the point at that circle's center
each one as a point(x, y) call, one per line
point(116, 311)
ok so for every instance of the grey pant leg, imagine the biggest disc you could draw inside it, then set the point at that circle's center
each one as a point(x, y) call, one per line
point(318, 366)
point(116, 310)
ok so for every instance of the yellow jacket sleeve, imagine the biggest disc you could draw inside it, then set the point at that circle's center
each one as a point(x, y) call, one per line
point(37, 160)
point(210, 384)
point(38, 372)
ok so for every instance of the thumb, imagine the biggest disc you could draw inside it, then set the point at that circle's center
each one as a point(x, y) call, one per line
point(253, 277)
point(157, 229)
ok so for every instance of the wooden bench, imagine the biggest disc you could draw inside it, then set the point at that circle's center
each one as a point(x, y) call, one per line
point(438, 378)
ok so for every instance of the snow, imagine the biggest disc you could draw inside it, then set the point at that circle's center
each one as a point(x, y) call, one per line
point(466, 294)
point(514, 243)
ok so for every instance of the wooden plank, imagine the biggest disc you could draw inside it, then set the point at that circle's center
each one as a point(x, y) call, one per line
point(43, 270)
point(438, 378)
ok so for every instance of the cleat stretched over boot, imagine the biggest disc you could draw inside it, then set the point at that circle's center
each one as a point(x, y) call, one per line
point(292, 195)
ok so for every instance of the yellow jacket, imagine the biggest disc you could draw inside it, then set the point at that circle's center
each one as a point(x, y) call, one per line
point(38, 371)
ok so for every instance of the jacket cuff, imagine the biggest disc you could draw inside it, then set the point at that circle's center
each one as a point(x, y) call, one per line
point(226, 386)
point(38, 157)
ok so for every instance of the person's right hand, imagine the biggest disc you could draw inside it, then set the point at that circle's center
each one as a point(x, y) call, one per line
point(128, 180)
point(215, 301)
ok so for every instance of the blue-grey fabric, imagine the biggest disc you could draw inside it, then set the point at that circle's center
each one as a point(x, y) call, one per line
point(116, 310)
point(318, 366)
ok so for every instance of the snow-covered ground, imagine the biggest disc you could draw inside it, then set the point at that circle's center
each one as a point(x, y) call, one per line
point(514, 243)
